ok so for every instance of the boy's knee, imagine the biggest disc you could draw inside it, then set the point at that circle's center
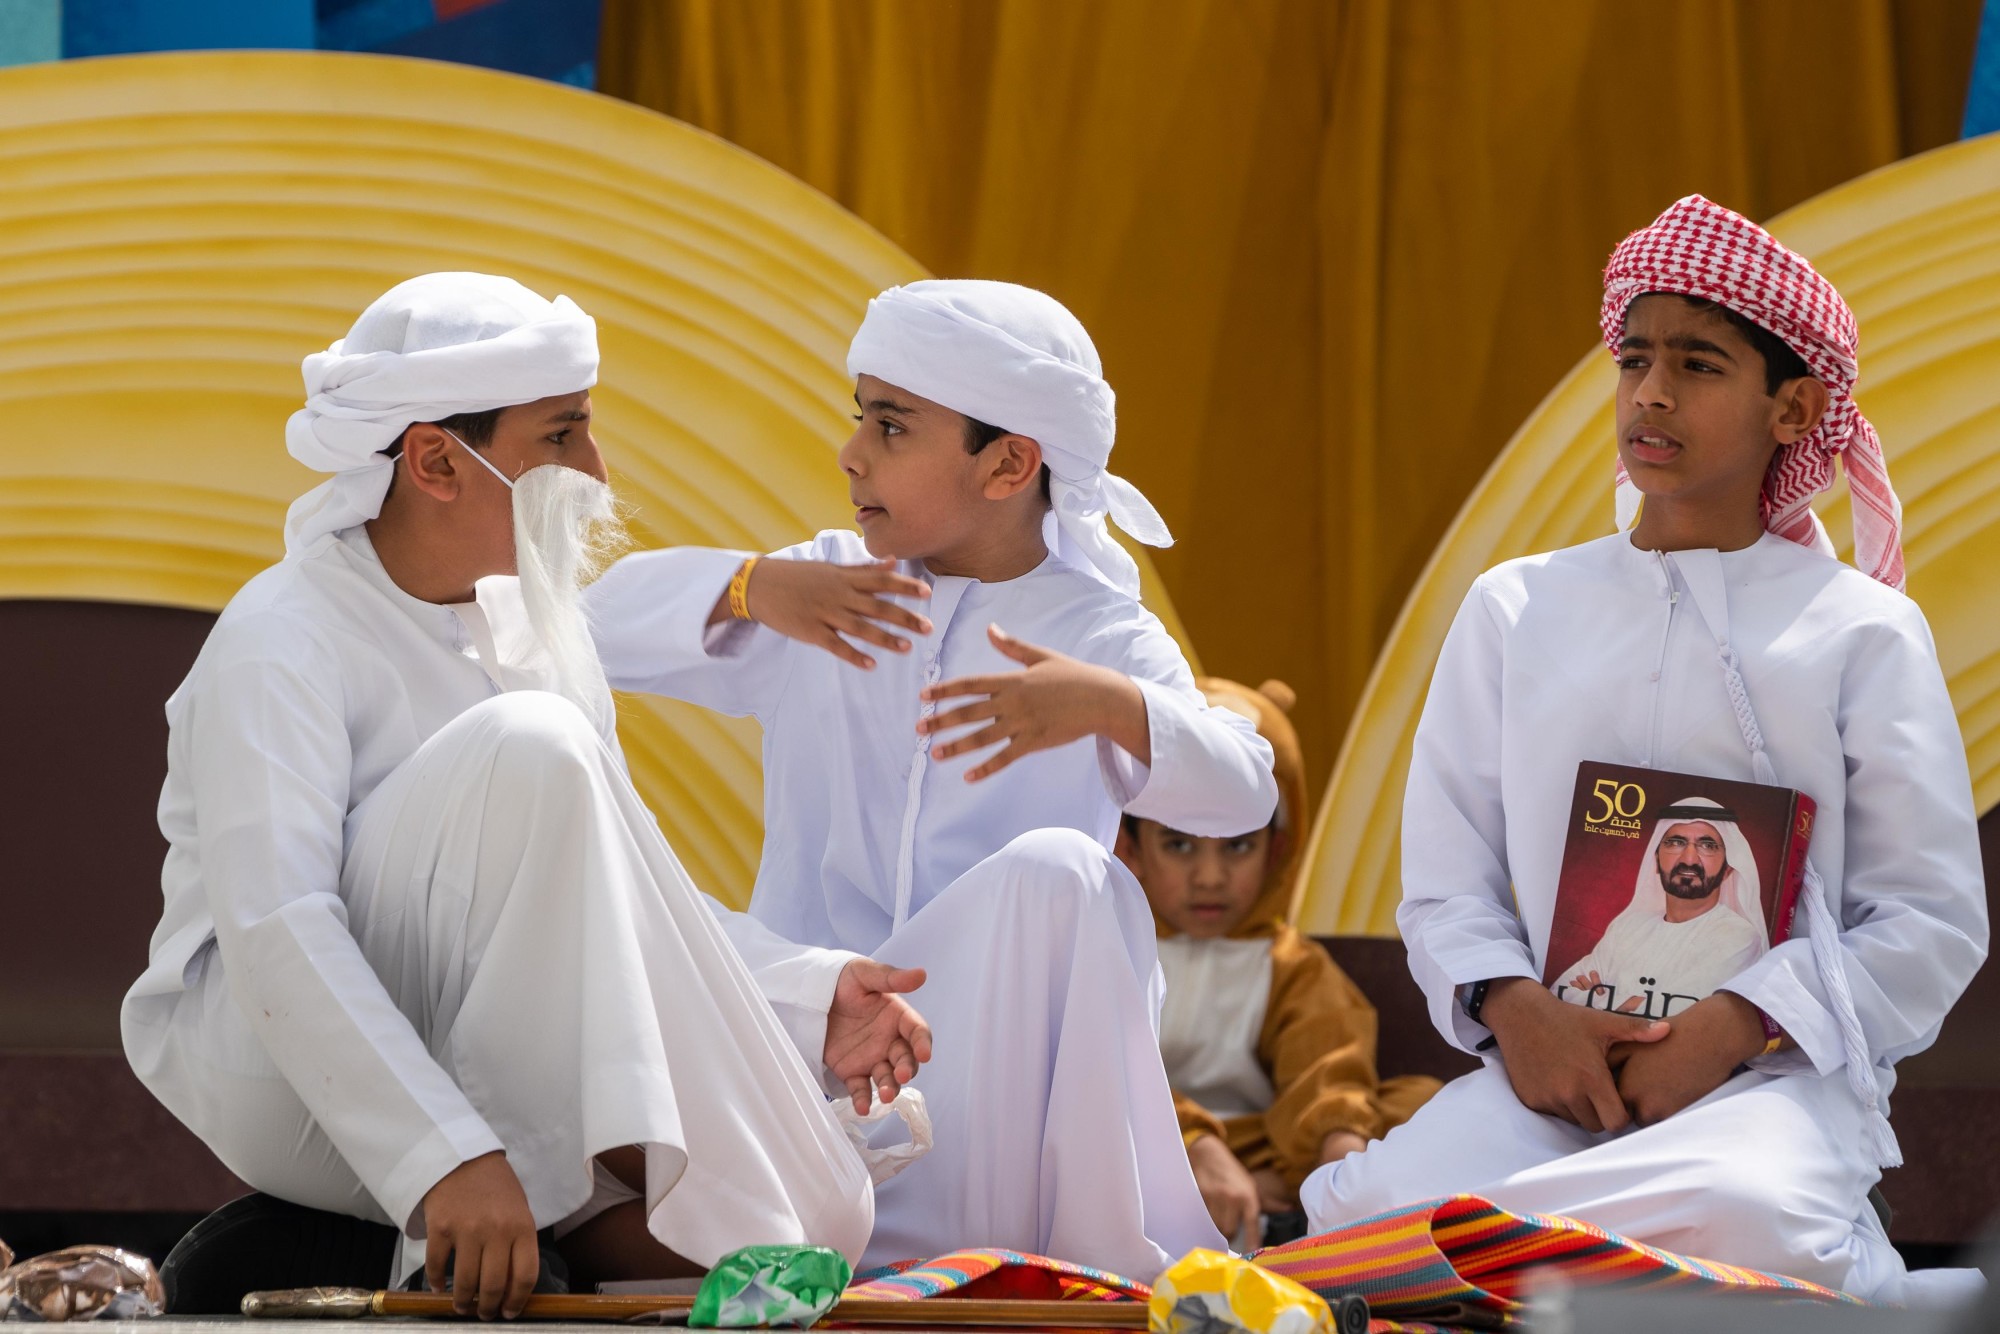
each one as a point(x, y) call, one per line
point(537, 734)
point(1056, 869)
point(1057, 854)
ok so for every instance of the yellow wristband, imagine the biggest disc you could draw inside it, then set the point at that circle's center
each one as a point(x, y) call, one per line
point(1188, 1137)
point(739, 589)
point(1772, 1044)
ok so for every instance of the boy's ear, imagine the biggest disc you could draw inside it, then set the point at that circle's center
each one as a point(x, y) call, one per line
point(1014, 464)
point(427, 463)
point(1127, 848)
point(1801, 403)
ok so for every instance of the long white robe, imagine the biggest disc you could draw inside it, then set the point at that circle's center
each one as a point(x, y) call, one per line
point(1601, 652)
point(410, 919)
point(869, 846)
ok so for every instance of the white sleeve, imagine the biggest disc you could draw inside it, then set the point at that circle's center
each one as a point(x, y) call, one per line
point(1457, 914)
point(1210, 774)
point(798, 980)
point(649, 615)
point(269, 770)
point(1912, 902)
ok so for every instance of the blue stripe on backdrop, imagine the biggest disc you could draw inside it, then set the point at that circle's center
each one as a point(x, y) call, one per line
point(363, 25)
point(1982, 99)
point(30, 30)
point(549, 39)
point(116, 27)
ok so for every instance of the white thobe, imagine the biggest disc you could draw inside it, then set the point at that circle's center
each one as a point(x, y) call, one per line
point(1602, 652)
point(414, 912)
point(869, 845)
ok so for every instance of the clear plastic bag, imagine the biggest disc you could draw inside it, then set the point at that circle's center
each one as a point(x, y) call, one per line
point(884, 1163)
point(82, 1283)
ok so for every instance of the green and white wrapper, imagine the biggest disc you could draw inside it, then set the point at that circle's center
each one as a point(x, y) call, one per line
point(770, 1285)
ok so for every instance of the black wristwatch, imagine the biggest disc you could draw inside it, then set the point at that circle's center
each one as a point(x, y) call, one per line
point(1472, 998)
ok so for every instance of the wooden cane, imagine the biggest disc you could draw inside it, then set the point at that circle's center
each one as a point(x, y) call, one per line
point(347, 1303)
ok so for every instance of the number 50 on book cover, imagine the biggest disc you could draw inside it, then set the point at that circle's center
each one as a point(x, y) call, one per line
point(1671, 885)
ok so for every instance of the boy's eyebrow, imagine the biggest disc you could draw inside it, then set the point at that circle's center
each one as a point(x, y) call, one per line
point(1679, 343)
point(569, 415)
point(885, 405)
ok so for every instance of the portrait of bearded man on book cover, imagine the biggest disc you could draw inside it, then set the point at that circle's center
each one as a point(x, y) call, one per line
point(1695, 920)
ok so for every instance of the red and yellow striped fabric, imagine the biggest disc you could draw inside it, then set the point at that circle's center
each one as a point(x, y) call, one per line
point(1465, 1257)
point(1445, 1265)
point(991, 1272)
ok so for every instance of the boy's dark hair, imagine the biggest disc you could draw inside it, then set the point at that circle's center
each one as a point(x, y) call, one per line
point(475, 428)
point(1780, 362)
point(978, 435)
point(1131, 824)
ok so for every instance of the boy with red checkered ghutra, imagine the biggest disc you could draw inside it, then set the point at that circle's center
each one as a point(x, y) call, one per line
point(1717, 635)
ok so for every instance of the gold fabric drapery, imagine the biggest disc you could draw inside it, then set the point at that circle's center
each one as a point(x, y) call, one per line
point(1332, 252)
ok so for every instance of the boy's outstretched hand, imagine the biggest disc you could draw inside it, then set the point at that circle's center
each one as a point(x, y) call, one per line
point(1710, 1039)
point(874, 1036)
point(817, 602)
point(1057, 700)
point(1562, 1058)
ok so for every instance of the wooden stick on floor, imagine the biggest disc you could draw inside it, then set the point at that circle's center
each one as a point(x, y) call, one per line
point(337, 1303)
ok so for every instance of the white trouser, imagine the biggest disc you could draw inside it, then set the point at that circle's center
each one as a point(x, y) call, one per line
point(1767, 1172)
point(524, 912)
point(1055, 1128)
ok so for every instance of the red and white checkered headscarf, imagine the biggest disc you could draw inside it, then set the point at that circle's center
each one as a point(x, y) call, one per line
point(1701, 249)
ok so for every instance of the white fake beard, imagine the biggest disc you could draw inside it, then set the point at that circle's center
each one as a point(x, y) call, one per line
point(567, 529)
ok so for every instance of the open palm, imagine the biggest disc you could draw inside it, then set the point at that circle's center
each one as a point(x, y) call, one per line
point(874, 1036)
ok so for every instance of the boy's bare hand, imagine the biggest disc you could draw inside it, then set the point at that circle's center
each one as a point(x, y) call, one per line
point(1055, 701)
point(1559, 1056)
point(479, 1213)
point(817, 602)
point(1229, 1191)
point(1273, 1195)
point(874, 1036)
point(1710, 1039)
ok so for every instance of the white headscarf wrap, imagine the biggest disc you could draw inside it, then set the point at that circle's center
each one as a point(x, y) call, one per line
point(1014, 358)
point(428, 348)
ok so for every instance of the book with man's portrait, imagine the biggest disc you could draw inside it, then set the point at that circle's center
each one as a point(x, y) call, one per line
point(1671, 884)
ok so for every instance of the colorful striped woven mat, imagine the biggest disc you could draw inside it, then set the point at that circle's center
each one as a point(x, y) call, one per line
point(1463, 1262)
point(1454, 1264)
point(992, 1272)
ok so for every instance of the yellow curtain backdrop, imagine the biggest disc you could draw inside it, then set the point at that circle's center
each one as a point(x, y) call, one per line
point(1332, 253)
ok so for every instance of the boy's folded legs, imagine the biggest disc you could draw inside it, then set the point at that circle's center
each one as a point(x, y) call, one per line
point(1050, 942)
point(510, 891)
point(1753, 1174)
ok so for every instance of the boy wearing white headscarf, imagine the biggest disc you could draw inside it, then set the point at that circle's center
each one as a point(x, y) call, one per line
point(425, 959)
point(958, 702)
point(1718, 636)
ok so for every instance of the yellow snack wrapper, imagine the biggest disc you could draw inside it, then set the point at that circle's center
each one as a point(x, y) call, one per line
point(1207, 1292)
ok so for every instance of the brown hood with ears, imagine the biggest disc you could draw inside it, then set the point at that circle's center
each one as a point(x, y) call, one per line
point(1267, 707)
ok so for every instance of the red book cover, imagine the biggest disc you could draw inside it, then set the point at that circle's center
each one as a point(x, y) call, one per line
point(1671, 885)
